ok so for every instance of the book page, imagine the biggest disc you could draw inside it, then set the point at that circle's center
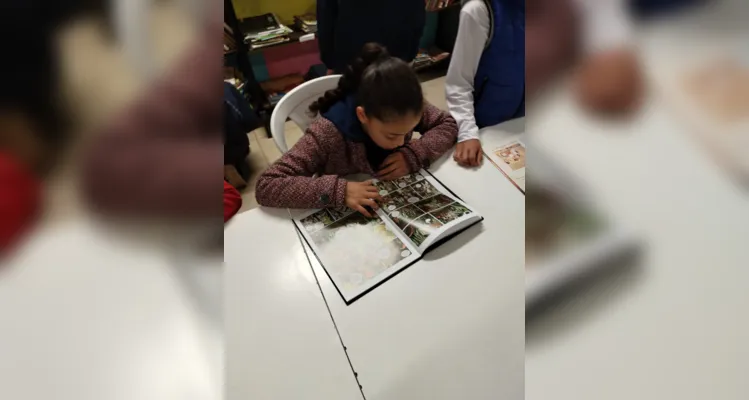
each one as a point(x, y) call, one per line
point(509, 157)
point(422, 209)
point(356, 252)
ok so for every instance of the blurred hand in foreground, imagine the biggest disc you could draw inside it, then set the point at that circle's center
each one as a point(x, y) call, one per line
point(610, 83)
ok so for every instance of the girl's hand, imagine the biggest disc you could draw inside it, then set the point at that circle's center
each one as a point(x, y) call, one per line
point(393, 167)
point(361, 194)
point(468, 153)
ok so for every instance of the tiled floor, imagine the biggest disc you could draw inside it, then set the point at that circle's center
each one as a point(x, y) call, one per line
point(263, 150)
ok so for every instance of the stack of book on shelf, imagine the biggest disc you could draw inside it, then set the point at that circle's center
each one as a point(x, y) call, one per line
point(306, 23)
point(435, 5)
point(264, 30)
point(428, 57)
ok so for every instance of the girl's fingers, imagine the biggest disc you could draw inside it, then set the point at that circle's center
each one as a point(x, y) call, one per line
point(387, 171)
point(370, 203)
point(389, 160)
point(389, 176)
point(363, 211)
point(373, 194)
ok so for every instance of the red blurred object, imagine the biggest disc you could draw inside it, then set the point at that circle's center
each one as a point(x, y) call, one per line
point(232, 201)
point(20, 200)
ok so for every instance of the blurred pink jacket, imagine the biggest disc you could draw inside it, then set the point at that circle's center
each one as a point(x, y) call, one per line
point(163, 154)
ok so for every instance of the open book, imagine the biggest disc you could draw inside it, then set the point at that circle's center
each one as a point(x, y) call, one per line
point(359, 253)
point(567, 234)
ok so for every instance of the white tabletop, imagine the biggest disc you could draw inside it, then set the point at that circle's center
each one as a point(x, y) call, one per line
point(452, 325)
point(85, 317)
point(447, 327)
point(674, 328)
point(280, 341)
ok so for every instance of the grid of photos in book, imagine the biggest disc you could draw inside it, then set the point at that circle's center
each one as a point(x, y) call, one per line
point(417, 207)
point(553, 224)
point(343, 235)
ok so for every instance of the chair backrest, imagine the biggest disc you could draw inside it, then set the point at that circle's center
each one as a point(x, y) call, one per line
point(294, 106)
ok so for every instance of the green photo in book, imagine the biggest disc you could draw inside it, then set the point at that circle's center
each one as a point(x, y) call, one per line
point(424, 189)
point(434, 202)
point(416, 235)
point(410, 179)
point(339, 212)
point(410, 195)
point(385, 187)
point(317, 221)
point(408, 213)
point(427, 223)
point(451, 213)
point(393, 201)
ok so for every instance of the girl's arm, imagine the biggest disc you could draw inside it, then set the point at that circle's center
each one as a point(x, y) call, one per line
point(439, 133)
point(290, 182)
point(473, 33)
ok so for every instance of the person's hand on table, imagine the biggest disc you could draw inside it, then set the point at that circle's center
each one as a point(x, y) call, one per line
point(610, 82)
point(360, 195)
point(468, 153)
point(394, 167)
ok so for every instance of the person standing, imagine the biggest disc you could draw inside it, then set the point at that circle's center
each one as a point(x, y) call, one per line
point(486, 79)
point(345, 26)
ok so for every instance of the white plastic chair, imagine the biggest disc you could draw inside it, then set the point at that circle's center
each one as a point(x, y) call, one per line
point(294, 106)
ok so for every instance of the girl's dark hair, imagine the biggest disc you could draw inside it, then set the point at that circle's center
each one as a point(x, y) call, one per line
point(385, 86)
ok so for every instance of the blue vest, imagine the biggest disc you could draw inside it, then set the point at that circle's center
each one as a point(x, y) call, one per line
point(499, 86)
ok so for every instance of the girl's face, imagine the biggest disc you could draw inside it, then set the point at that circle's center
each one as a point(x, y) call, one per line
point(391, 134)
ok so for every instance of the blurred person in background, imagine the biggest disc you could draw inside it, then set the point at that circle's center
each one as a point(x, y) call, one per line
point(33, 127)
point(597, 37)
point(161, 157)
point(486, 79)
point(345, 26)
point(591, 33)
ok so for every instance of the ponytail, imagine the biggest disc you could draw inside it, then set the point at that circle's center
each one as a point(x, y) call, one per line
point(350, 81)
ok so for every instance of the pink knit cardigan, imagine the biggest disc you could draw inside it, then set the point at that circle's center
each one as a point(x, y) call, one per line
point(309, 175)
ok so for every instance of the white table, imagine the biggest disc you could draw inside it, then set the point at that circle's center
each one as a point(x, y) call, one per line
point(676, 327)
point(280, 341)
point(450, 326)
point(85, 317)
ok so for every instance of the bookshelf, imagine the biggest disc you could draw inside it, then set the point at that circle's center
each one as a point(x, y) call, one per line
point(434, 57)
point(239, 54)
point(442, 28)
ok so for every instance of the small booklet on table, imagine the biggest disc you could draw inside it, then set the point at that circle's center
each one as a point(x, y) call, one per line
point(506, 150)
point(510, 159)
point(417, 213)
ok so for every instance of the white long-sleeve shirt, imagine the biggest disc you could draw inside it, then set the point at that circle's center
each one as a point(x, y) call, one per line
point(605, 25)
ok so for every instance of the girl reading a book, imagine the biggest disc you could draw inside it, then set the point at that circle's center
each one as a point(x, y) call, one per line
point(365, 126)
